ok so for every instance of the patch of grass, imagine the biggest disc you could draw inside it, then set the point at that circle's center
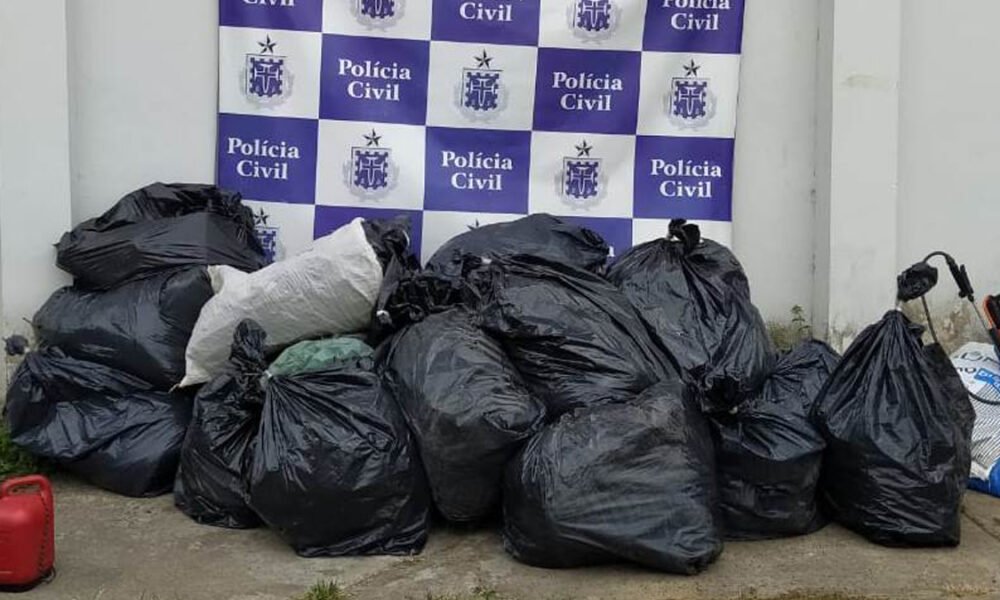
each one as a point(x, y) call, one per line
point(787, 335)
point(13, 460)
point(325, 590)
point(478, 593)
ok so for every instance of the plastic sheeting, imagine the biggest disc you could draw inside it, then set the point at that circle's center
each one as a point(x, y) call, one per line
point(540, 235)
point(770, 454)
point(141, 327)
point(159, 227)
point(897, 422)
point(695, 295)
point(467, 406)
point(104, 425)
point(572, 335)
point(629, 481)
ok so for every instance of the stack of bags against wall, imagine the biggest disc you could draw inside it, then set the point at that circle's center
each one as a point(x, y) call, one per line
point(313, 445)
point(532, 384)
point(95, 398)
point(696, 298)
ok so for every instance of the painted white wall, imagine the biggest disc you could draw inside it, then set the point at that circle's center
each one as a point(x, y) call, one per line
point(34, 155)
point(142, 96)
point(949, 145)
point(773, 196)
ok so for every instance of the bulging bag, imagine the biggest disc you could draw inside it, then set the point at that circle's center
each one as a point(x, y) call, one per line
point(334, 469)
point(572, 335)
point(897, 421)
point(158, 227)
point(329, 289)
point(209, 486)
point(627, 481)
point(106, 426)
point(694, 294)
point(540, 235)
point(467, 406)
point(769, 453)
point(141, 327)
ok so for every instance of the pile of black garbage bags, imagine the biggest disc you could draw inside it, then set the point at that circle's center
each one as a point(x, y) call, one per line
point(604, 412)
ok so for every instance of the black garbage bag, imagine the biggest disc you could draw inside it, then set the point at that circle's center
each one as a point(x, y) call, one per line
point(630, 481)
point(467, 407)
point(161, 226)
point(106, 426)
point(898, 424)
point(210, 486)
point(693, 292)
point(539, 235)
point(769, 453)
point(572, 335)
point(334, 469)
point(141, 327)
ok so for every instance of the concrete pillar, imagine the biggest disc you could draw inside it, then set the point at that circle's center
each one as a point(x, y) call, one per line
point(856, 165)
point(34, 156)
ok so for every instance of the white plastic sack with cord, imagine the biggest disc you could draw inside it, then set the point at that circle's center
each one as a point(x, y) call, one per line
point(329, 289)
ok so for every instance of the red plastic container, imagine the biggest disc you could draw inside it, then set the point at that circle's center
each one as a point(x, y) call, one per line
point(27, 532)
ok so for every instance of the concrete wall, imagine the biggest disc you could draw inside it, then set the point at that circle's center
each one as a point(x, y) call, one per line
point(142, 96)
point(949, 146)
point(143, 87)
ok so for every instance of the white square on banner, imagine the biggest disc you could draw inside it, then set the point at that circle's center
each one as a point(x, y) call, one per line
point(598, 24)
point(269, 72)
point(644, 230)
point(284, 229)
point(582, 174)
point(398, 19)
point(439, 227)
point(481, 86)
point(370, 165)
point(689, 95)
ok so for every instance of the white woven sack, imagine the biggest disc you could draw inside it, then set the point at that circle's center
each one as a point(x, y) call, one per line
point(326, 290)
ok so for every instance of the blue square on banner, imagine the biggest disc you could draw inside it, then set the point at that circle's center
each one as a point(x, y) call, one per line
point(594, 91)
point(472, 170)
point(491, 21)
point(329, 218)
point(300, 15)
point(709, 26)
point(268, 158)
point(616, 232)
point(374, 79)
point(685, 178)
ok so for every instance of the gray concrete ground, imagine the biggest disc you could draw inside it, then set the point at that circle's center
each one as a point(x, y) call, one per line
point(113, 548)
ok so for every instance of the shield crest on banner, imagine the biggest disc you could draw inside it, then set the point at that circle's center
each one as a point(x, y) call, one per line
point(377, 14)
point(481, 94)
point(690, 104)
point(267, 79)
point(582, 182)
point(593, 20)
point(370, 173)
point(267, 234)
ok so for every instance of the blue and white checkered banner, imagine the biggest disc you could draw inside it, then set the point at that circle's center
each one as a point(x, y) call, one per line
point(616, 114)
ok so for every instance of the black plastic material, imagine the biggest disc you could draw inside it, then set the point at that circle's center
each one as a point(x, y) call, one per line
point(334, 469)
point(916, 281)
point(104, 425)
point(769, 453)
point(540, 235)
point(695, 295)
point(572, 335)
point(210, 487)
point(897, 421)
point(632, 481)
point(161, 226)
point(467, 406)
point(390, 239)
point(141, 327)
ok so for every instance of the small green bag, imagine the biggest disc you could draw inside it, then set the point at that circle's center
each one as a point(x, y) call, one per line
point(314, 355)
